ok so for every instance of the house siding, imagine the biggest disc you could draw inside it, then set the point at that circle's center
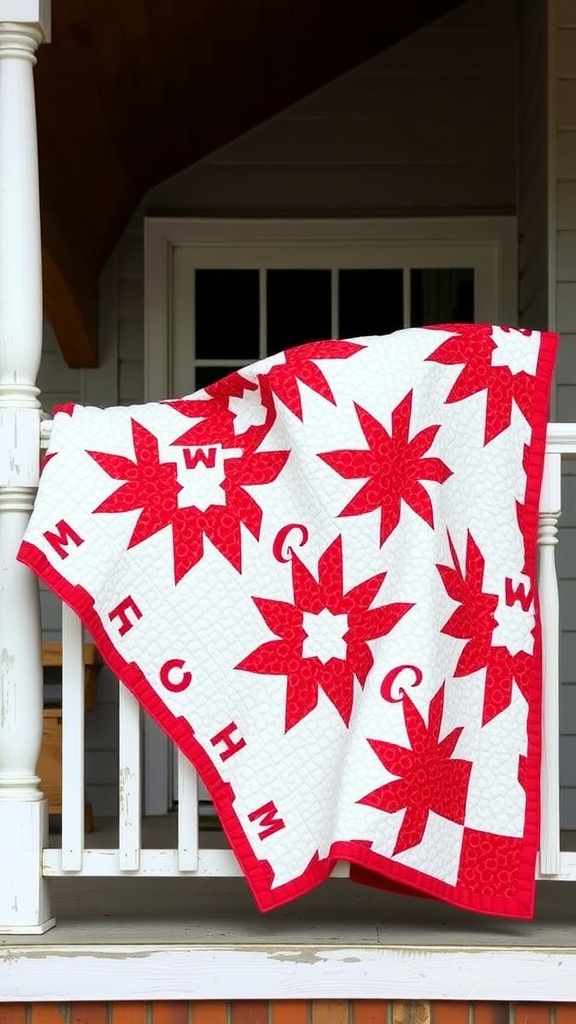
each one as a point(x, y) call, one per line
point(547, 283)
point(562, 316)
point(60, 384)
point(427, 128)
point(533, 196)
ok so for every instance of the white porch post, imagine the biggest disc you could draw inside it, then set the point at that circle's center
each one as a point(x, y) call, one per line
point(24, 908)
point(550, 510)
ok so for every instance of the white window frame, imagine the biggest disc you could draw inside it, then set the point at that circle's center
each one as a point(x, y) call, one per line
point(489, 244)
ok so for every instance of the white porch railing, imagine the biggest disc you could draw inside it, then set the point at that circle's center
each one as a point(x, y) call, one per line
point(129, 858)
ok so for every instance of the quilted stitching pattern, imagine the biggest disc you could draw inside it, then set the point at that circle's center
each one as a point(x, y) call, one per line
point(318, 576)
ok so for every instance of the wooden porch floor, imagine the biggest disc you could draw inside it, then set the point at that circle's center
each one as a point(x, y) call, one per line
point(340, 913)
point(221, 911)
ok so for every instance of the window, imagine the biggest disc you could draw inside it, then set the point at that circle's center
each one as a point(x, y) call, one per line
point(222, 293)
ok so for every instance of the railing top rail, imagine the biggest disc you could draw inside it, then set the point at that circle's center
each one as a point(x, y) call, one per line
point(561, 437)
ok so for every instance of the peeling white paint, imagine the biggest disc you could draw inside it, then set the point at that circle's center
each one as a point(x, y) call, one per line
point(6, 668)
point(116, 972)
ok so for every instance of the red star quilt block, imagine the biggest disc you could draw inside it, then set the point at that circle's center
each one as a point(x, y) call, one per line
point(318, 576)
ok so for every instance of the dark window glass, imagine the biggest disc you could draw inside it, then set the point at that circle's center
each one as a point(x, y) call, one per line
point(209, 374)
point(369, 302)
point(227, 314)
point(442, 296)
point(298, 307)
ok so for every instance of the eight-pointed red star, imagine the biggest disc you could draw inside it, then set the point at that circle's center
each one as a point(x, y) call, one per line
point(428, 778)
point(300, 366)
point(153, 487)
point(503, 670)
point(150, 485)
point(474, 620)
point(392, 466)
point(285, 656)
point(474, 350)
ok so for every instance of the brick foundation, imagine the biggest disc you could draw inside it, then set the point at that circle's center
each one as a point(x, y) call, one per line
point(336, 1011)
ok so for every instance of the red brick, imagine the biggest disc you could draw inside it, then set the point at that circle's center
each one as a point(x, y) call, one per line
point(450, 1013)
point(170, 1012)
point(48, 1013)
point(89, 1013)
point(129, 1013)
point(532, 1013)
point(566, 1013)
point(209, 1013)
point(491, 1013)
point(12, 1013)
point(290, 1011)
point(248, 1011)
point(369, 1011)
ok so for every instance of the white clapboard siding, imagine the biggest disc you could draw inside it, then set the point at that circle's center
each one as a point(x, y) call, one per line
point(345, 150)
point(130, 299)
point(533, 199)
point(59, 384)
point(563, 310)
point(57, 381)
point(566, 205)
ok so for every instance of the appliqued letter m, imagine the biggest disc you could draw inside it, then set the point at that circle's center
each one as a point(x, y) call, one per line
point(269, 820)
point(61, 539)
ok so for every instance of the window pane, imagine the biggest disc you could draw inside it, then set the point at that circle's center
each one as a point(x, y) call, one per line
point(442, 296)
point(298, 307)
point(227, 314)
point(206, 375)
point(369, 302)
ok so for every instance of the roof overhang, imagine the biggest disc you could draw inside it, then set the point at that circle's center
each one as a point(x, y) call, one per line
point(131, 92)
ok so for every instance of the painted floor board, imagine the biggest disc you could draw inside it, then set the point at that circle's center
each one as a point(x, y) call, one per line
point(220, 912)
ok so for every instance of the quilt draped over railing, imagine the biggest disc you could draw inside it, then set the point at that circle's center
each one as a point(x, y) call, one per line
point(318, 576)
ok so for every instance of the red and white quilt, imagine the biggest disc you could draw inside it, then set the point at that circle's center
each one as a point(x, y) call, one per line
point(318, 575)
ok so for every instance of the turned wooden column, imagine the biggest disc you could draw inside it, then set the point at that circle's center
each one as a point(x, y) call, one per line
point(23, 817)
point(550, 508)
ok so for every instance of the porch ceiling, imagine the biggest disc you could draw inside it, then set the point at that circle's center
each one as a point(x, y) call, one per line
point(131, 91)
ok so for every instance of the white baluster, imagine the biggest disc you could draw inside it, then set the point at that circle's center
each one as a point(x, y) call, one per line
point(550, 508)
point(129, 783)
point(23, 815)
point(187, 815)
point(72, 741)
